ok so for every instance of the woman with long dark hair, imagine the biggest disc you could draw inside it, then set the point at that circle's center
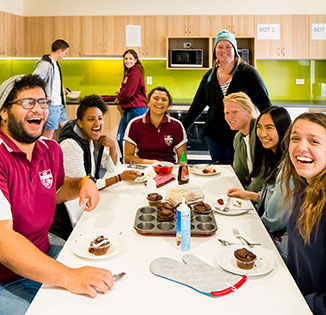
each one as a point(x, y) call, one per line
point(132, 94)
point(271, 127)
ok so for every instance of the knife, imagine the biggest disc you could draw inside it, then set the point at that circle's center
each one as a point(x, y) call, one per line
point(118, 276)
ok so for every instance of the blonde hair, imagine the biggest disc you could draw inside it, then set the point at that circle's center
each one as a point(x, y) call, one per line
point(312, 208)
point(243, 100)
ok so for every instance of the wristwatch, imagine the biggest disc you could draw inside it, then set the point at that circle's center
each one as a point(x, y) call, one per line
point(92, 178)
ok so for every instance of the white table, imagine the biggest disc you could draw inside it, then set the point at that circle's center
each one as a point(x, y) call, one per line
point(140, 292)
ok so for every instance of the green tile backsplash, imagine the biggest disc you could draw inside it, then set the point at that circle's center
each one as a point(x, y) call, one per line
point(104, 76)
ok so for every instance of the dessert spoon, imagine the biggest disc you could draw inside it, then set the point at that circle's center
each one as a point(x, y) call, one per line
point(118, 276)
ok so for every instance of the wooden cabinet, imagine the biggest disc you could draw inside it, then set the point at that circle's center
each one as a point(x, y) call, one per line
point(317, 47)
point(11, 35)
point(240, 25)
point(293, 40)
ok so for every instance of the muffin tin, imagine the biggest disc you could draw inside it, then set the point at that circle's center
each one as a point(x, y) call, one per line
point(146, 223)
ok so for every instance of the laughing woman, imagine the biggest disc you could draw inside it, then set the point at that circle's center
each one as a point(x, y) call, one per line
point(272, 125)
point(155, 136)
point(306, 163)
point(86, 151)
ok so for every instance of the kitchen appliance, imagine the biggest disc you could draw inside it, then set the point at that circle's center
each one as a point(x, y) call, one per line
point(244, 54)
point(186, 58)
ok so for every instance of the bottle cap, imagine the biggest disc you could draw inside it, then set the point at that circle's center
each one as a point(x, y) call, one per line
point(183, 206)
point(183, 157)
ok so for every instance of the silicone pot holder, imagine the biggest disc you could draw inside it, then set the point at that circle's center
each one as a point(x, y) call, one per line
point(196, 274)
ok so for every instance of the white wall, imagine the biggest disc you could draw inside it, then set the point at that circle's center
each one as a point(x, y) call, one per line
point(169, 7)
point(12, 6)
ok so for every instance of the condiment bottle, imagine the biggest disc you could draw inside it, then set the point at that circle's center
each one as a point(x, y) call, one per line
point(183, 226)
point(183, 173)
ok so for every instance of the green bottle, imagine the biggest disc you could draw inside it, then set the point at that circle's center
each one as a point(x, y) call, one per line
point(183, 173)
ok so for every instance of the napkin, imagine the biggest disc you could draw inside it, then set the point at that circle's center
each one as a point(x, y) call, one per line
point(197, 275)
point(162, 180)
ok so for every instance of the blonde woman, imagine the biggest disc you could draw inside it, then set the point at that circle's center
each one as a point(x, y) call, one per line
point(240, 113)
point(306, 162)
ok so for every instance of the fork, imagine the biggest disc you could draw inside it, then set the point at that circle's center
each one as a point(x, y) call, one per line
point(236, 233)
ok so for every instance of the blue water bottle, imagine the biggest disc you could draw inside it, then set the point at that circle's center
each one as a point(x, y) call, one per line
point(183, 226)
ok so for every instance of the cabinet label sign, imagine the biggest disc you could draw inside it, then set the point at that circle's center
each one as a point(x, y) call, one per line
point(318, 31)
point(268, 31)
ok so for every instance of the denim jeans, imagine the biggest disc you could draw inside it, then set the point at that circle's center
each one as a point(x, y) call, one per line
point(221, 153)
point(16, 296)
point(127, 115)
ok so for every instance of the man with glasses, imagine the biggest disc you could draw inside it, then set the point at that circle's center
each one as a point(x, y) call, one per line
point(32, 181)
point(49, 70)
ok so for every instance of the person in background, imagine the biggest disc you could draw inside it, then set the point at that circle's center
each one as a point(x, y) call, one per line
point(32, 181)
point(228, 75)
point(305, 163)
point(86, 151)
point(271, 127)
point(49, 70)
point(132, 94)
point(239, 112)
point(155, 136)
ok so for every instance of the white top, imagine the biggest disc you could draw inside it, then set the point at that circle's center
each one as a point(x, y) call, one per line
point(141, 292)
point(56, 88)
point(249, 161)
point(225, 86)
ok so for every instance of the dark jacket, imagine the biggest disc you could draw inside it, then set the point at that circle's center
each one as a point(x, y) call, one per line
point(307, 262)
point(245, 79)
point(133, 93)
point(69, 132)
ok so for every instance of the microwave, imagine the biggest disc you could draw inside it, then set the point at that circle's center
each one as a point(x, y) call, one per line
point(186, 58)
point(244, 54)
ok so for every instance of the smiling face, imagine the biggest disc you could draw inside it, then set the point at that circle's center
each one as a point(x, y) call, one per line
point(92, 123)
point(129, 60)
point(224, 51)
point(25, 125)
point(307, 148)
point(267, 132)
point(237, 117)
point(159, 103)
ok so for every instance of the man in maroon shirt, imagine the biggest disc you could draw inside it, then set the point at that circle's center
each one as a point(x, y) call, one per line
point(31, 183)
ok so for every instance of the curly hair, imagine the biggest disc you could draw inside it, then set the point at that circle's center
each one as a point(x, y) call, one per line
point(91, 101)
point(315, 199)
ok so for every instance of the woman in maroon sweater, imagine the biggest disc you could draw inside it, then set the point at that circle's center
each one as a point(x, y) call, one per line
point(132, 95)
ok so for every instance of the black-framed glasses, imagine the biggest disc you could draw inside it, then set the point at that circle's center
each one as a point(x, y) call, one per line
point(29, 103)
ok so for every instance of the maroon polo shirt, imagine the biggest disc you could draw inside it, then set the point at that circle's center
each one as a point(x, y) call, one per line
point(28, 191)
point(156, 143)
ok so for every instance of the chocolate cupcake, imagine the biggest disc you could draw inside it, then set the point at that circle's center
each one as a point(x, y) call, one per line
point(166, 205)
point(164, 214)
point(154, 199)
point(245, 258)
point(99, 246)
point(202, 207)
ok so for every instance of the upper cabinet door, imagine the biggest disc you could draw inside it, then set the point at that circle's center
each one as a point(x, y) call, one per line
point(243, 25)
point(267, 48)
point(177, 25)
point(295, 36)
point(155, 36)
point(317, 46)
point(218, 23)
point(198, 25)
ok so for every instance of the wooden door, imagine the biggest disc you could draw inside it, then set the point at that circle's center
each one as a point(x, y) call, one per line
point(92, 35)
point(198, 25)
point(2, 34)
point(267, 48)
point(177, 25)
point(155, 36)
point(317, 47)
point(243, 25)
point(295, 36)
point(218, 23)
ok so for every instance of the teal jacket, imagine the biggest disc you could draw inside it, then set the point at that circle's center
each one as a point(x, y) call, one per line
point(240, 165)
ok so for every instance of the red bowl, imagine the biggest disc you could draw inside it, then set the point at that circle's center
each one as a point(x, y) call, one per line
point(163, 168)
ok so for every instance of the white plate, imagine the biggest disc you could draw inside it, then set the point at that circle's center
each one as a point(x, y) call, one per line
point(263, 264)
point(198, 169)
point(237, 206)
point(143, 178)
point(81, 244)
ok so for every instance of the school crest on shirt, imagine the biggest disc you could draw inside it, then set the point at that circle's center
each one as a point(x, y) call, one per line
point(168, 140)
point(46, 178)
